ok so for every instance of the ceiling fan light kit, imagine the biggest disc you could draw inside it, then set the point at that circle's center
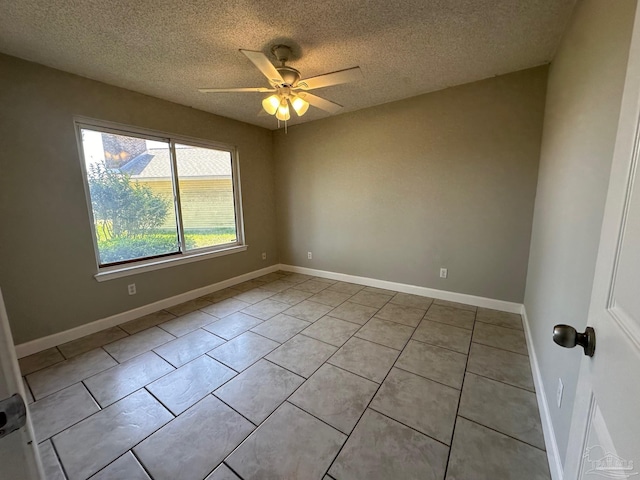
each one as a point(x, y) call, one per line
point(287, 88)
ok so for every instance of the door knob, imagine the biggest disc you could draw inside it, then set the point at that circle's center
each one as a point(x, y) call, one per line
point(567, 336)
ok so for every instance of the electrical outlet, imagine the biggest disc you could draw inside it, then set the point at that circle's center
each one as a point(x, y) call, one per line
point(559, 392)
point(264, 255)
point(444, 272)
point(309, 255)
point(132, 289)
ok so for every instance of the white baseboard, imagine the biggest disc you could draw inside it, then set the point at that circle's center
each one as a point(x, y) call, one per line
point(553, 455)
point(39, 344)
point(56, 339)
point(505, 306)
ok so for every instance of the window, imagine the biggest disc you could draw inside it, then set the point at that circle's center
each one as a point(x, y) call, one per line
point(153, 197)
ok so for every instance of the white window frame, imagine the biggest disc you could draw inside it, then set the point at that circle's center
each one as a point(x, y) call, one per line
point(178, 258)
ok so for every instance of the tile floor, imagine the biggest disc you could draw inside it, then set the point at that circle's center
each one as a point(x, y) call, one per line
point(292, 377)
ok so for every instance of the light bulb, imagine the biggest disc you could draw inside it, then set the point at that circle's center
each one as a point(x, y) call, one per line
point(300, 106)
point(271, 104)
point(283, 111)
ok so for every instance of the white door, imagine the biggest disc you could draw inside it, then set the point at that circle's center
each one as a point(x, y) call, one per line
point(18, 453)
point(605, 430)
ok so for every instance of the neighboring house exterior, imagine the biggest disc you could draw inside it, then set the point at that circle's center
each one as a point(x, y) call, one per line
point(206, 189)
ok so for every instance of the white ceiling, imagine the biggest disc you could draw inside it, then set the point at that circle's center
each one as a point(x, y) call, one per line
point(169, 48)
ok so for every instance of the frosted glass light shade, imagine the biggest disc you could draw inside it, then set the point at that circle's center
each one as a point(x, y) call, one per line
point(283, 111)
point(271, 104)
point(300, 106)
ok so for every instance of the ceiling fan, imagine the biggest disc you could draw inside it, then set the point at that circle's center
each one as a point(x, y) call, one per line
point(287, 87)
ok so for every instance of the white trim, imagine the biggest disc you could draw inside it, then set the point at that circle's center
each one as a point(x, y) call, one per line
point(118, 271)
point(505, 306)
point(56, 339)
point(553, 455)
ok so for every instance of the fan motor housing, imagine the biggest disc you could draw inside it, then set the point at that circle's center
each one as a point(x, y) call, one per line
point(290, 75)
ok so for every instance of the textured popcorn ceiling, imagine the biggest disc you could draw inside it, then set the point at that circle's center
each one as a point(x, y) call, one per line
point(169, 48)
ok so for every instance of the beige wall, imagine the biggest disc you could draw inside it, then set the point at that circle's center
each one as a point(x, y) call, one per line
point(47, 260)
point(583, 104)
point(397, 191)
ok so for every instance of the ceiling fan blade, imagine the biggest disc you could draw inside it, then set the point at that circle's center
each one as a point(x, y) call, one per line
point(320, 102)
point(246, 89)
point(261, 61)
point(328, 79)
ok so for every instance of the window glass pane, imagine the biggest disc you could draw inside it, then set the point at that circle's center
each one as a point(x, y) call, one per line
point(131, 190)
point(206, 196)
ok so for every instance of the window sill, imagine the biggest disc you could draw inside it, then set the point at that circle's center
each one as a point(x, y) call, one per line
point(119, 271)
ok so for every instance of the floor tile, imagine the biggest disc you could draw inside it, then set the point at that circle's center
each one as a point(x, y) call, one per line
point(89, 342)
point(40, 360)
point(233, 325)
point(50, 463)
point(500, 337)
point(371, 299)
point(246, 286)
point(124, 468)
point(435, 363)
point(190, 383)
point(188, 323)
point(507, 409)
point(507, 367)
point(222, 473)
point(482, 454)
point(254, 295)
point(461, 306)
point(308, 311)
point(353, 312)
point(312, 286)
point(451, 316)
point(278, 285)
point(331, 298)
point(271, 277)
point(502, 319)
point(61, 375)
point(328, 281)
point(410, 300)
point(148, 321)
point(60, 410)
point(280, 328)
point(302, 355)
point(335, 396)
point(366, 359)
point(445, 336)
point(401, 314)
point(184, 349)
point(243, 351)
point(111, 385)
point(290, 444)
point(266, 309)
point(382, 291)
point(331, 330)
point(291, 296)
point(141, 342)
point(381, 449)
point(345, 287)
point(172, 453)
point(259, 390)
point(95, 442)
point(27, 391)
point(225, 293)
point(298, 277)
point(384, 332)
point(225, 307)
point(188, 307)
point(419, 403)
